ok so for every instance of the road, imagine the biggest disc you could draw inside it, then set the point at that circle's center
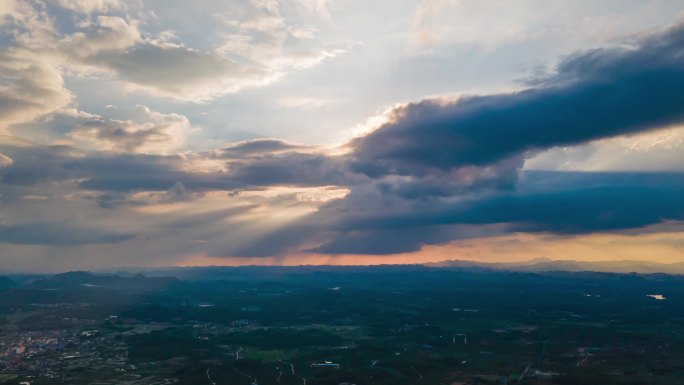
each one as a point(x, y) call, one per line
point(420, 376)
point(294, 374)
point(524, 373)
point(254, 379)
point(291, 366)
point(280, 373)
point(209, 378)
point(541, 355)
point(582, 360)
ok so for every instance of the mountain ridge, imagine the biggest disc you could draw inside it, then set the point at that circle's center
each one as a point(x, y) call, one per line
point(569, 265)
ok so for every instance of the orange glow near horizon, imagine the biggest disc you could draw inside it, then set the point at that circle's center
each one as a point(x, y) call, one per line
point(655, 247)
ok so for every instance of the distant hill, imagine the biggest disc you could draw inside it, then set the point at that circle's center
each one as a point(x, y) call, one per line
point(545, 265)
point(276, 273)
point(83, 279)
point(250, 273)
point(6, 283)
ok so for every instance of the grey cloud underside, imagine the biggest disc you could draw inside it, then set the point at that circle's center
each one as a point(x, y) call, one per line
point(115, 132)
point(110, 180)
point(256, 147)
point(137, 172)
point(562, 202)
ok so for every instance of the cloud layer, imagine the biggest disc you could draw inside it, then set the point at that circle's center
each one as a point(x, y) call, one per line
point(115, 185)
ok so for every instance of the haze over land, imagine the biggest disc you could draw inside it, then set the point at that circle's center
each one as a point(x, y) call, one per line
point(154, 133)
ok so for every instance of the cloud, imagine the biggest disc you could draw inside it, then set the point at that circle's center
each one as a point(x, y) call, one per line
point(257, 147)
point(432, 172)
point(293, 168)
point(36, 165)
point(597, 94)
point(29, 88)
point(246, 165)
point(31, 84)
point(304, 103)
point(151, 133)
point(179, 72)
point(265, 36)
point(106, 34)
point(91, 6)
point(5, 160)
point(116, 46)
point(490, 27)
point(319, 8)
point(177, 193)
point(436, 171)
point(261, 49)
point(444, 167)
point(608, 205)
point(173, 207)
point(481, 24)
point(549, 203)
point(255, 54)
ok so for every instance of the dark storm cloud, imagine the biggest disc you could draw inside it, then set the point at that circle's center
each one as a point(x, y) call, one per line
point(553, 202)
point(597, 94)
point(566, 203)
point(587, 210)
point(500, 176)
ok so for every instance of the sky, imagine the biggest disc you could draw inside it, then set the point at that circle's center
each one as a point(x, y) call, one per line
point(176, 133)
